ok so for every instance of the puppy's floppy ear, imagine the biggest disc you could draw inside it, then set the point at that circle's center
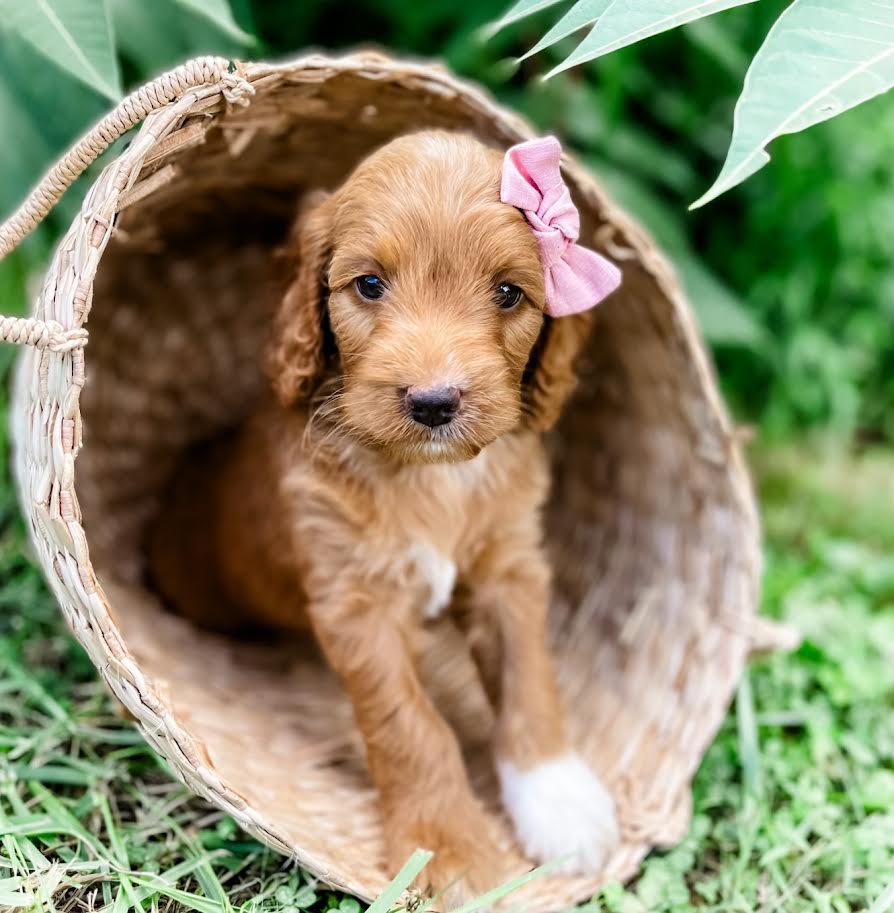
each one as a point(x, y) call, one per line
point(550, 376)
point(295, 354)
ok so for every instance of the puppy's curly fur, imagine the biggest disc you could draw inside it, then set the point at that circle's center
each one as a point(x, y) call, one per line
point(333, 508)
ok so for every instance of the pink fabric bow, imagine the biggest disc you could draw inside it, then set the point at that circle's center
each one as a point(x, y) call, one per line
point(576, 278)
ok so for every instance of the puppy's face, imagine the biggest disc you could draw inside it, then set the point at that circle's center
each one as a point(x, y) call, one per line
point(435, 299)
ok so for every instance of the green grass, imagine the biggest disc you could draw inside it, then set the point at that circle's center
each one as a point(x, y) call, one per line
point(794, 803)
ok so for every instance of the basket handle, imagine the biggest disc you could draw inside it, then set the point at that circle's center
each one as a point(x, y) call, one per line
point(201, 71)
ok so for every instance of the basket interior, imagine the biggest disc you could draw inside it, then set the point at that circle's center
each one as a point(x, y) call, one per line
point(655, 565)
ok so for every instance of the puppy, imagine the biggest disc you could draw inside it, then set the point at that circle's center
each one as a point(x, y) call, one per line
point(398, 472)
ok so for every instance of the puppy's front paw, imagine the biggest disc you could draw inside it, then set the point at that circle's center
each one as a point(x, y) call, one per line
point(561, 809)
point(454, 877)
point(466, 861)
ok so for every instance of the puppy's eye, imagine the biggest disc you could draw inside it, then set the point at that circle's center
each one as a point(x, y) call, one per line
point(370, 287)
point(508, 296)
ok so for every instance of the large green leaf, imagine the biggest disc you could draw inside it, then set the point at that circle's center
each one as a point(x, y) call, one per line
point(158, 37)
point(628, 21)
point(517, 11)
point(75, 34)
point(218, 12)
point(820, 58)
point(720, 43)
point(584, 12)
point(43, 110)
point(19, 158)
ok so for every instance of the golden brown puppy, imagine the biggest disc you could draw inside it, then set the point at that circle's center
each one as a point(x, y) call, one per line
point(414, 372)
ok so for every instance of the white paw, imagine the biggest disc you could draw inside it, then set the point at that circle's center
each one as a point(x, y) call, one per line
point(561, 810)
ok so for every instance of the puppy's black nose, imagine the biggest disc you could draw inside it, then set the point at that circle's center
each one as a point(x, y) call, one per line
point(432, 406)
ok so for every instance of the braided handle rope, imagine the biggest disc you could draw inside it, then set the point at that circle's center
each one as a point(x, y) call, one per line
point(202, 71)
point(42, 334)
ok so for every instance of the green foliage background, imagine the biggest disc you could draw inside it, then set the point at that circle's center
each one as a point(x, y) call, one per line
point(790, 273)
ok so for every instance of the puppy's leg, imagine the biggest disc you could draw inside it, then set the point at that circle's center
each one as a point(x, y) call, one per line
point(557, 803)
point(413, 756)
point(483, 643)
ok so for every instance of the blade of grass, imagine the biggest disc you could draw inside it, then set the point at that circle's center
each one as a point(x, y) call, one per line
point(114, 838)
point(411, 868)
point(498, 893)
point(14, 672)
point(52, 773)
point(169, 878)
point(15, 899)
point(66, 821)
point(749, 747)
point(884, 902)
point(122, 903)
point(184, 898)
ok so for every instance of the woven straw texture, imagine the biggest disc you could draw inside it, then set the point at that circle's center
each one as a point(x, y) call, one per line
point(657, 556)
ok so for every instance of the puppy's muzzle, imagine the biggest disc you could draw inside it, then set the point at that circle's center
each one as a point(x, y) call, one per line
point(432, 406)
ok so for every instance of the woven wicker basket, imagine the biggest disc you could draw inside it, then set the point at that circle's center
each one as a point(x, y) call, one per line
point(658, 562)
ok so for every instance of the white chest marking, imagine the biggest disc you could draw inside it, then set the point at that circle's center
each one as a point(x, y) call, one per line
point(437, 573)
